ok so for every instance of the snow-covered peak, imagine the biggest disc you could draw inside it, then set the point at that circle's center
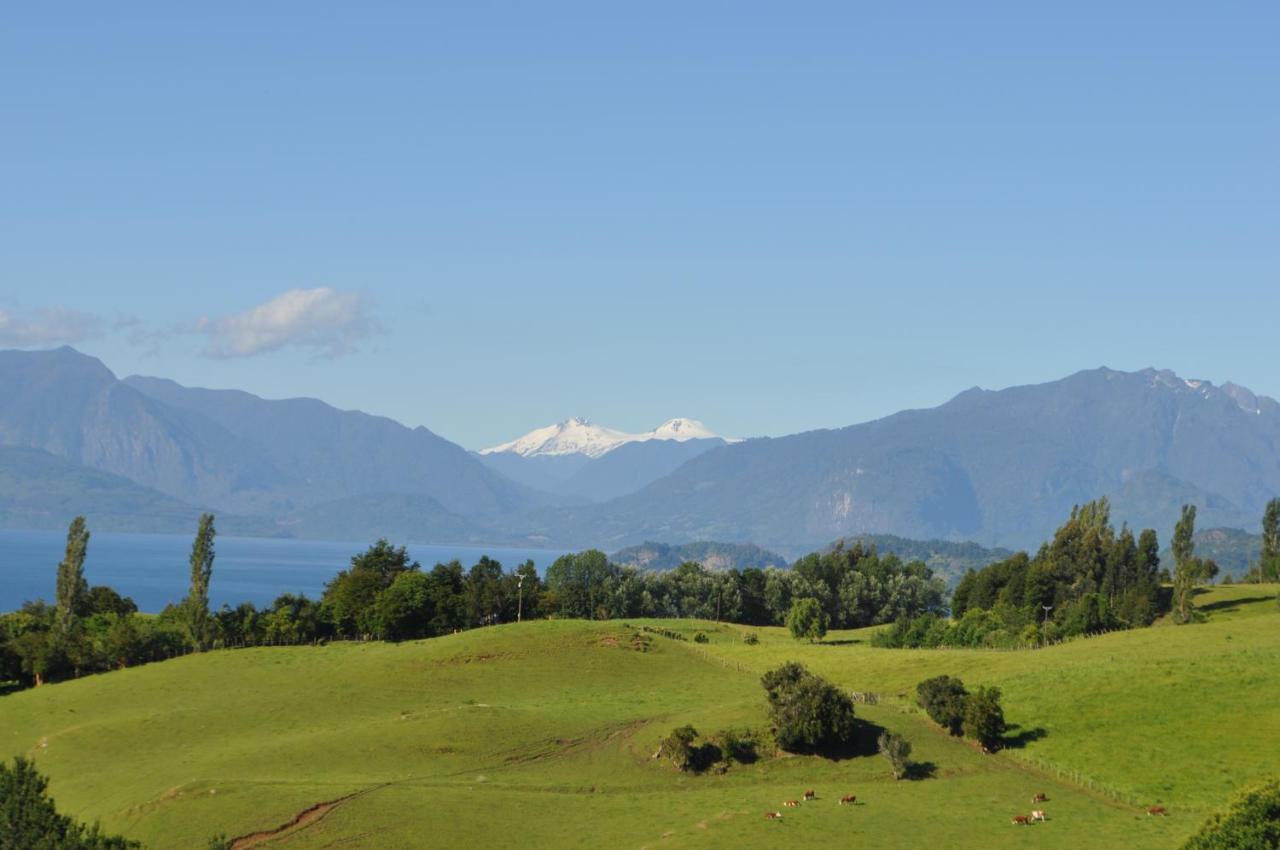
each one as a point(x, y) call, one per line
point(573, 436)
point(681, 430)
point(580, 436)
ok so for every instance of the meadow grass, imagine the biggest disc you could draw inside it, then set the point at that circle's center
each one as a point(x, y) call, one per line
point(542, 734)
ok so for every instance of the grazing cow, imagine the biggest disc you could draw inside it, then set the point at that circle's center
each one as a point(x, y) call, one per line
point(1157, 810)
point(1039, 798)
point(1021, 820)
point(810, 795)
point(848, 799)
point(773, 815)
point(1038, 814)
point(791, 804)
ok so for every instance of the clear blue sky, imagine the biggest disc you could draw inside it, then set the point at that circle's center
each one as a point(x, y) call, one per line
point(771, 217)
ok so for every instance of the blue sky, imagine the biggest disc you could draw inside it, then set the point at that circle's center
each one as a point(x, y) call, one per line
point(771, 217)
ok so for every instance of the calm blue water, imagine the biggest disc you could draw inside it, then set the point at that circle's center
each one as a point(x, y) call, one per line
point(154, 570)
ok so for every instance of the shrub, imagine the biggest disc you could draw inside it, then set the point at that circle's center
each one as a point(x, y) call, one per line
point(807, 620)
point(897, 750)
point(943, 699)
point(701, 638)
point(685, 753)
point(740, 745)
point(808, 713)
point(750, 639)
point(984, 718)
point(1251, 823)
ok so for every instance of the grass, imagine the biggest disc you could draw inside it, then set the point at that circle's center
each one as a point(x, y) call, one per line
point(540, 735)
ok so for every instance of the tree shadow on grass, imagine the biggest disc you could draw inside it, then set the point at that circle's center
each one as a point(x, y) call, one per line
point(1022, 737)
point(918, 770)
point(1225, 605)
point(862, 743)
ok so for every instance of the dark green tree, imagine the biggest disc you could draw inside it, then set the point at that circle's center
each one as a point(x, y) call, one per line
point(29, 820)
point(195, 607)
point(1251, 823)
point(808, 713)
point(349, 597)
point(943, 699)
point(984, 718)
point(72, 590)
point(404, 610)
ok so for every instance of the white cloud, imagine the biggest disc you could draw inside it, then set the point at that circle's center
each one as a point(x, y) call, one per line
point(325, 320)
point(52, 326)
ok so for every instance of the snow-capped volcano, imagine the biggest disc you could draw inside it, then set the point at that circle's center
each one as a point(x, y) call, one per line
point(580, 436)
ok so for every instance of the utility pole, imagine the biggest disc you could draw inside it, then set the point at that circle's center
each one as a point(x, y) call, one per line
point(520, 598)
point(1045, 624)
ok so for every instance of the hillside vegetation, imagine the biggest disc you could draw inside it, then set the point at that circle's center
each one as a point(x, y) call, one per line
point(542, 734)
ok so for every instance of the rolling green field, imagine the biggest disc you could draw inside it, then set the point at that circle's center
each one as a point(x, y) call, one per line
point(542, 735)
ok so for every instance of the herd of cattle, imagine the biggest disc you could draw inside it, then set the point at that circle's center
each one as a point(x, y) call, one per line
point(1018, 820)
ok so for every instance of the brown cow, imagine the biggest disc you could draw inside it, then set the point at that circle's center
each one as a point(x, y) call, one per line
point(1021, 820)
point(1040, 798)
point(848, 799)
point(791, 804)
point(1157, 810)
point(810, 795)
point(773, 815)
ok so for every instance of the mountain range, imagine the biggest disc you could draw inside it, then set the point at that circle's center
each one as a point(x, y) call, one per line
point(1000, 468)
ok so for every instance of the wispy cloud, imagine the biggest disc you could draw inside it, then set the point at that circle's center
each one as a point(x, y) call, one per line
point(51, 326)
point(325, 320)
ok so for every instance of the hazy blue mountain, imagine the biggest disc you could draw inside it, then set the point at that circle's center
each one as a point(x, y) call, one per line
point(336, 454)
point(1002, 468)
point(402, 517)
point(632, 466)
point(230, 450)
point(38, 490)
point(547, 473)
point(71, 406)
point(581, 478)
point(714, 556)
point(1233, 550)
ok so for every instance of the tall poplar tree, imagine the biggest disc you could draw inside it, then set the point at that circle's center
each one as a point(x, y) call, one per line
point(196, 606)
point(1186, 568)
point(1271, 542)
point(72, 589)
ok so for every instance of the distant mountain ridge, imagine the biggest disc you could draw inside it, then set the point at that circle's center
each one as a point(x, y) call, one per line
point(1002, 468)
point(232, 451)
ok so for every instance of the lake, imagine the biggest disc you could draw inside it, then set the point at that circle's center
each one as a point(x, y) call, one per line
point(153, 569)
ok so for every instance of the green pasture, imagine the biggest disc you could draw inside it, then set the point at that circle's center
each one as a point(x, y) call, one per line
point(542, 735)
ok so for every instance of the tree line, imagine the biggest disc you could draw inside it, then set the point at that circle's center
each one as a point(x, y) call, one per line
point(384, 595)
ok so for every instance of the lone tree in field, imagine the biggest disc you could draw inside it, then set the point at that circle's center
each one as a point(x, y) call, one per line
point(196, 606)
point(1186, 569)
point(897, 750)
point(807, 620)
point(984, 718)
point(72, 590)
point(1270, 561)
point(809, 714)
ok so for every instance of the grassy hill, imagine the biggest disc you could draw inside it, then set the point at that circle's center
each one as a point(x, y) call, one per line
point(540, 735)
